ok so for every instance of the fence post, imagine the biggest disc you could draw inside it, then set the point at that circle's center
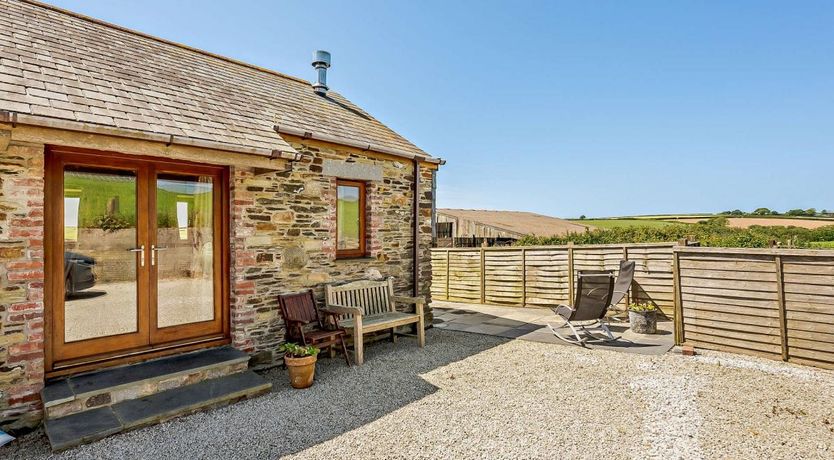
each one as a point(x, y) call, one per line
point(483, 276)
point(523, 277)
point(448, 271)
point(629, 294)
point(680, 335)
point(570, 273)
point(783, 320)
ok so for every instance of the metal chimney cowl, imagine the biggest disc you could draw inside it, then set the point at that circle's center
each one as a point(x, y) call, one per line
point(321, 62)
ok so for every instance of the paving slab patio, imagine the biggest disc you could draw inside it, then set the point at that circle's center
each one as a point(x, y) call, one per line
point(530, 323)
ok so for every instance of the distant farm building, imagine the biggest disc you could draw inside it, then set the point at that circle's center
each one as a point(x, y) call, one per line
point(471, 227)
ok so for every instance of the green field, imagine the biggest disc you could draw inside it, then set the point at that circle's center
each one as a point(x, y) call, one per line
point(618, 223)
point(348, 224)
point(822, 244)
point(102, 194)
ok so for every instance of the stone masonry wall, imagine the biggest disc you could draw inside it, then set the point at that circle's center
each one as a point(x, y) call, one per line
point(21, 283)
point(284, 231)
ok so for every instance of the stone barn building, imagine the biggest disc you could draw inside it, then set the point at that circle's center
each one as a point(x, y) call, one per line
point(155, 199)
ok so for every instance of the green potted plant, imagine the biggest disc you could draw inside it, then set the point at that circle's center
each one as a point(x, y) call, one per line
point(643, 317)
point(301, 362)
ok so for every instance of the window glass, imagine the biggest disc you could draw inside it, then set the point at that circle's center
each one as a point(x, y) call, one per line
point(348, 218)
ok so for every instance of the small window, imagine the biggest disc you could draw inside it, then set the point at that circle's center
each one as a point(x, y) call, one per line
point(350, 219)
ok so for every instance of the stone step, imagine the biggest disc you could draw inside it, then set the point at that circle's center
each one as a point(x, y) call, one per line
point(85, 392)
point(91, 425)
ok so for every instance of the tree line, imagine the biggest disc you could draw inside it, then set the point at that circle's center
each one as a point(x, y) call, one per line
point(810, 212)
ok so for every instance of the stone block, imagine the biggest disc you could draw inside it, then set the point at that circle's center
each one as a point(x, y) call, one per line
point(318, 278)
point(294, 258)
point(283, 216)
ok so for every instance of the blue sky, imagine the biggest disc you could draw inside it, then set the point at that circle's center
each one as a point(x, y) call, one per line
point(564, 108)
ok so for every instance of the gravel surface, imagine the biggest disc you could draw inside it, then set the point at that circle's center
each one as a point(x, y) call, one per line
point(476, 396)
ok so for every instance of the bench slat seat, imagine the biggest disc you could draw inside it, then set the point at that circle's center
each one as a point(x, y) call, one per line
point(364, 307)
point(382, 321)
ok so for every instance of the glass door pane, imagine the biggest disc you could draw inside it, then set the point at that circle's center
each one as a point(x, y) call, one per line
point(183, 251)
point(101, 253)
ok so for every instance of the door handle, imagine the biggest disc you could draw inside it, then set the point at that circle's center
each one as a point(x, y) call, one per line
point(141, 251)
point(154, 250)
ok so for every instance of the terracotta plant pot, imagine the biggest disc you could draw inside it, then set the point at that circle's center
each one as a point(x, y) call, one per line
point(302, 371)
point(643, 322)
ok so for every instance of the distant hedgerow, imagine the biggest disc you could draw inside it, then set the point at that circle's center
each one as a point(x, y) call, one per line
point(713, 232)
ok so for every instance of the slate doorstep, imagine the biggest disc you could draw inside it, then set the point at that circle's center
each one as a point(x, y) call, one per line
point(110, 386)
point(95, 424)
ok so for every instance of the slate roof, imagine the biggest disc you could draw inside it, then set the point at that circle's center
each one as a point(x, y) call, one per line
point(519, 222)
point(57, 64)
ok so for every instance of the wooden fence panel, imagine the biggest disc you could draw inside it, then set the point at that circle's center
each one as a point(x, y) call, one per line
point(809, 307)
point(439, 275)
point(546, 272)
point(773, 303)
point(721, 293)
point(465, 276)
point(653, 276)
point(503, 275)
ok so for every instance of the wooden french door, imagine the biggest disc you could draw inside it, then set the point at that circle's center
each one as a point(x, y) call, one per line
point(136, 255)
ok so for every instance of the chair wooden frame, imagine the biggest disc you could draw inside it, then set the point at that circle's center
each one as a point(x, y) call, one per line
point(299, 311)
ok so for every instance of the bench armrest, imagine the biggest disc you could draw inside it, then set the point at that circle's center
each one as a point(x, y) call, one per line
point(337, 309)
point(418, 302)
point(404, 299)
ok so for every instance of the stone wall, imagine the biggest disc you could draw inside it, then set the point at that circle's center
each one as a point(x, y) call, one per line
point(284, 231)
point(21, 283)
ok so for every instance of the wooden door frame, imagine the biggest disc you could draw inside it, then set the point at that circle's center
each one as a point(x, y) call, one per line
point(53, 256)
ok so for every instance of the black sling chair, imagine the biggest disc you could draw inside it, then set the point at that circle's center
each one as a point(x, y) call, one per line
point(594, 292)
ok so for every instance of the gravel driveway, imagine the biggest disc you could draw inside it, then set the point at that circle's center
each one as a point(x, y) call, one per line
point(475, 396)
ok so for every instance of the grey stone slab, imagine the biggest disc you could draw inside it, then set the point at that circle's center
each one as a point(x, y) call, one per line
point(355, 171)
point(505, 322)
point(453, 326)
point(121, 376)
point(542, 337)
point(160, 406)
point(56, 392)
point(84, 427)
point(650, 349)
point(488, 329)
point(530, 327)
point(472, 319)
point(511, 334)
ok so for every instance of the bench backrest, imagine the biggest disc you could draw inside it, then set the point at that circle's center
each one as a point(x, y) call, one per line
point(373, 297)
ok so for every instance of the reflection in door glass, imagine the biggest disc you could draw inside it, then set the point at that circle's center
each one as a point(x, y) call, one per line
point(99, 264)
point(183, 252)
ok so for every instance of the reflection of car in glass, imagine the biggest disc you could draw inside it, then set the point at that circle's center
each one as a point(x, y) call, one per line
point(78, 272)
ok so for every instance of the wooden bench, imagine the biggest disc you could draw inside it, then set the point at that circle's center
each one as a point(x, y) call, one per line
point(368, 306)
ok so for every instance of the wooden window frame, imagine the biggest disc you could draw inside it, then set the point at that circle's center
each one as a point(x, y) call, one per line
point(361, 251)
